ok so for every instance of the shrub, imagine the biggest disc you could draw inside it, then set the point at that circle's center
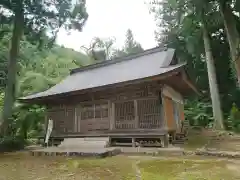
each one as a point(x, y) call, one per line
point(198, 113)
point(10, 143)
point(233, 121)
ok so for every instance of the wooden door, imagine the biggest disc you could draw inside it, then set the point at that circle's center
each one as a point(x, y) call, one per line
point(168, 108)
point(69, 117)
point(94, 117)
point(176, 114)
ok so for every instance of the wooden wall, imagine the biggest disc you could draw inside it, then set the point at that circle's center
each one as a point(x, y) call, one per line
point(112, 110)
point(172, 98)
point(168, 110)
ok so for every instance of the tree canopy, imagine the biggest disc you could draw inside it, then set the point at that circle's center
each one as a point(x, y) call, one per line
point(180, 27)
point(131, 46)
point(38, 70)
point(36, 19)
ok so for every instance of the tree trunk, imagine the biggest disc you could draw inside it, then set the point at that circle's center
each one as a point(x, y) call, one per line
point(232, 35)
point(9, 97)
point(216, 105)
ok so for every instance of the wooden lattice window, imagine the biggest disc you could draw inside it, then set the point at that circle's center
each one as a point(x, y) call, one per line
point(124, 115)
point(149, 113)
point(101, 110)
point(87, 112)
point(94, 111)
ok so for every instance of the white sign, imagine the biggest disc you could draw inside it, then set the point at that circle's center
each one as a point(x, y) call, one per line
point(49, 130)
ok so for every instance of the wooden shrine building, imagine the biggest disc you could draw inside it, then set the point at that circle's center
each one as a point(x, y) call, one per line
point(140, 95)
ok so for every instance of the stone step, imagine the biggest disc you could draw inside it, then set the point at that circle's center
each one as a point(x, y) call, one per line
point(96, 139)
point(85, 152)
point(83, 146)
point(84, 142)
point(79, 143)
point(179, 140)
point(74, 140)
point(226, 154)
point(87, 139)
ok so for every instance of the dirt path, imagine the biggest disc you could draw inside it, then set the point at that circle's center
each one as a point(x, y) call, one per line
point(137, 171)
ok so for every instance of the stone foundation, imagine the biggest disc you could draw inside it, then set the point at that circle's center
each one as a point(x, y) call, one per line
point(80, 153)
point(224, 154)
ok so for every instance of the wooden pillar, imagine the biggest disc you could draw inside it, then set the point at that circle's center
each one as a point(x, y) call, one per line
point(163, 111)
point(46, 121)
point(79, 110)
point(136, 115)
point(133, 142)
point(164, 140)
point(75, 120)
point(112, 117)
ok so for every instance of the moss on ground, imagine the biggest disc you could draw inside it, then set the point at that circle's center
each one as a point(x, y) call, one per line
point(196, 139)
point(195, 142)
point(189, 169)
point(22, 166)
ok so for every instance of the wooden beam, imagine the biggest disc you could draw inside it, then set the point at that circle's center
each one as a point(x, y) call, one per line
point(189, 83)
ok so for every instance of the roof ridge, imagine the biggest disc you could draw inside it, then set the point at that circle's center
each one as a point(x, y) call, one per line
point(119, 59)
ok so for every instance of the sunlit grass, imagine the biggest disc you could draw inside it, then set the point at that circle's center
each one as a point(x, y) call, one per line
point(187, 169)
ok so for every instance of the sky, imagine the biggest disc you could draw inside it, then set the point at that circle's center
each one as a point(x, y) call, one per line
point(112, 18)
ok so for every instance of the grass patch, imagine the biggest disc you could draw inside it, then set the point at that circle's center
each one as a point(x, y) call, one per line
point(195, 142)
point(119, 167)
point(196, 139)
point(186, 169)
point(22, 166)
point(25, 167)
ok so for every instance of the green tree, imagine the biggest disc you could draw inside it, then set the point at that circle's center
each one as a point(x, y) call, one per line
point(38, 70)
point(233, 34)
point(130, 47)
point(187, 25)
point(47, 68)
point(100, 49)
point(216, 104)
point(35, 17)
